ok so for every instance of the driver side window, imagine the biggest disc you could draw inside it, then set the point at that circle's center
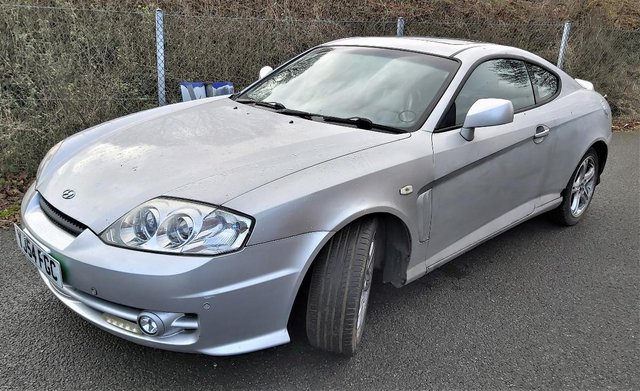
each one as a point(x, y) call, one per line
point(500, 78)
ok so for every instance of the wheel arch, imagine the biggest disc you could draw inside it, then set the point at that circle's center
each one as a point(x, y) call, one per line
point(602, 150)
point(397, 250)
point(397, 242)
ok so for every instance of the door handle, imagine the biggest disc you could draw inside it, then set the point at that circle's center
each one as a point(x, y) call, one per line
point(542, 131)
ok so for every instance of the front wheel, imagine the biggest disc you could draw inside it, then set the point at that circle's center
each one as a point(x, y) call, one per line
point(579, 191)
point(340, 288)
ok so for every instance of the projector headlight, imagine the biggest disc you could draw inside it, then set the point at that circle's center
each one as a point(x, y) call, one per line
point(174, 226)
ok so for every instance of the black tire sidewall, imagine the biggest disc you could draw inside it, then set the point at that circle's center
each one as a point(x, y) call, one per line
point(376, 244)
point(336, 286)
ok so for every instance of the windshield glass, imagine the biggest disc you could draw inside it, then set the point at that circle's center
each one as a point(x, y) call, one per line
point(389, 87)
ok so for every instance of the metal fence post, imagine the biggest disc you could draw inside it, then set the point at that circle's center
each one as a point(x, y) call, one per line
point(400, 27)
point(162, 97)
point(563, 44)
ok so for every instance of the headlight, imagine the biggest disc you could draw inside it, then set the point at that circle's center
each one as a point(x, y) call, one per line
point(47, 158)
point(174, 226)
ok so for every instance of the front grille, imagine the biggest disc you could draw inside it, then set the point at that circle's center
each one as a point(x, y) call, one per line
point(60, 219)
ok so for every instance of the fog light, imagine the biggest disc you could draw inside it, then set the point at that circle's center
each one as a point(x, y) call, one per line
point(150, 323)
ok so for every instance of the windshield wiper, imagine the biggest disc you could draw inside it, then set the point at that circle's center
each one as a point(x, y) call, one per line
point(278, 107)
point(272, 105)
point(359, 122)
point(362, 123)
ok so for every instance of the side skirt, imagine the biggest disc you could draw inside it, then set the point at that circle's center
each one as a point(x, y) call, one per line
point(479, 236)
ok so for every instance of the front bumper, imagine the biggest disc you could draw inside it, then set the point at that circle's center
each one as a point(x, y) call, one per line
point(223, 305)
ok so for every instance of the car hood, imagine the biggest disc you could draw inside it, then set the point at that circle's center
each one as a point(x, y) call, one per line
point(210, 151)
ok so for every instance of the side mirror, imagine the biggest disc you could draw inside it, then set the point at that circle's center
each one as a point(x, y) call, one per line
point(264, 71)
point(486, 112)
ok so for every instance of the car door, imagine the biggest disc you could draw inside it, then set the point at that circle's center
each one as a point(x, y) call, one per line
point(485, 185)
point(546, 87)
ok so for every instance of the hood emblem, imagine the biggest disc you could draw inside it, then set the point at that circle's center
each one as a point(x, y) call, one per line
point(68, 194)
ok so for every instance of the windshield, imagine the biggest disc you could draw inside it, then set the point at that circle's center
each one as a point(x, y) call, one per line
point(389, 87)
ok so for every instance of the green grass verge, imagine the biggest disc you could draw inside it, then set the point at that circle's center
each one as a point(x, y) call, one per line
point(10, 211)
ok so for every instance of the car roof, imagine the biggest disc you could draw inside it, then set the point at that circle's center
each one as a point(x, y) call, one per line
point(439, 46)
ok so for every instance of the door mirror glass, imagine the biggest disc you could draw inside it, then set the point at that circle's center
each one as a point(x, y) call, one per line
point(264, 71)
point(486, 112)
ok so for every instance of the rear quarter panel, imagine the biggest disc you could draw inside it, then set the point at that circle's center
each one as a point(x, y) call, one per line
point(580, 119)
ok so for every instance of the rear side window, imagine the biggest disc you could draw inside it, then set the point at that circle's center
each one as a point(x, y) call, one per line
point(501, 78)
point(545, 83)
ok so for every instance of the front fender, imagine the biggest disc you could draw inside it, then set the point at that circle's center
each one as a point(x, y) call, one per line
point(328, 196)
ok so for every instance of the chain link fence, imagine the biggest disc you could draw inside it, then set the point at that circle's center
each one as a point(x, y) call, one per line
point(66, 69)
point(205, 48)
point(610, 58)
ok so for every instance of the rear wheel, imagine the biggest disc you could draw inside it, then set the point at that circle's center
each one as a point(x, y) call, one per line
point(340, 287)
point(579, 191)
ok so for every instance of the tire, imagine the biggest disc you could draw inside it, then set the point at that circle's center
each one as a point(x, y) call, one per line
point(340, 286)
point(579, 192)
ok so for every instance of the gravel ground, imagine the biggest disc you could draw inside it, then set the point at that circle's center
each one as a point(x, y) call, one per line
point(539, 306)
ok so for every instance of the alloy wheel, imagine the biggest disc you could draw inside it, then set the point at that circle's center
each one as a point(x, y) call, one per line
point(366, 290)
point(583, 186)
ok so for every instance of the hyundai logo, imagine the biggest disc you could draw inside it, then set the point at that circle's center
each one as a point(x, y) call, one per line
point(68, 194)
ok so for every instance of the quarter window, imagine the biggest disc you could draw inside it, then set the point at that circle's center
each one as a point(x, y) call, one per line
point(501, 78)
point(545, 84)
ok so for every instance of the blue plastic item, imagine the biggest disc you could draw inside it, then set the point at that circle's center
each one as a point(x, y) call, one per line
point(218, 88)
point(192, 90)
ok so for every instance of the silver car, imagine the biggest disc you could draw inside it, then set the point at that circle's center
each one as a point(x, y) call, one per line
point(193, 227)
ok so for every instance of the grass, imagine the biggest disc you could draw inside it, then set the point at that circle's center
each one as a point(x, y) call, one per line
point(9, 215)
point(12, 189)
point(9, 212)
